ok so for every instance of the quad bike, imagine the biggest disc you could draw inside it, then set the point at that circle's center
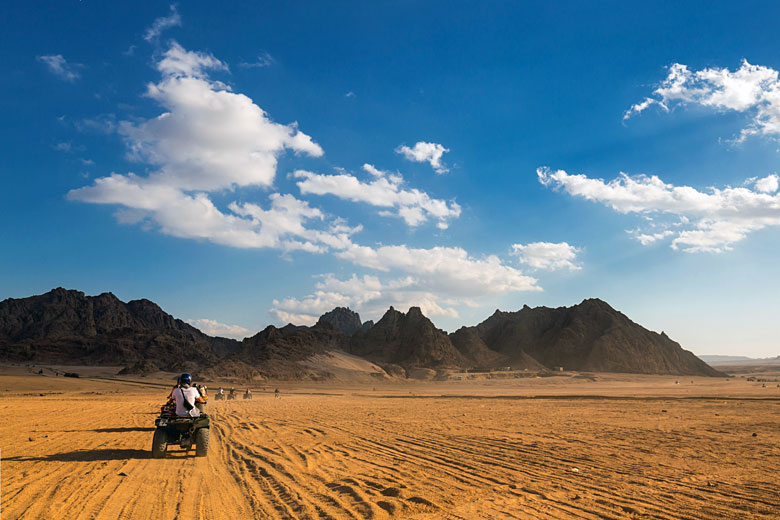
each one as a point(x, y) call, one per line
point(184, 431)
point(247, 395)
point(231, 396)
point(219, 396)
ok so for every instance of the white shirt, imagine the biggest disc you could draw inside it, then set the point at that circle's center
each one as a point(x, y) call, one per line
point(190, 393)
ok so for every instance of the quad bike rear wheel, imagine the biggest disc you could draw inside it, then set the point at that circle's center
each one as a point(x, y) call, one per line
point(202, 442)
point(159, 444)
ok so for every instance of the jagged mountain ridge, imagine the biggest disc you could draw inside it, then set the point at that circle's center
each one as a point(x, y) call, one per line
point(590, 336)
point(65, 326)
point(408, 340)
point(68, 327)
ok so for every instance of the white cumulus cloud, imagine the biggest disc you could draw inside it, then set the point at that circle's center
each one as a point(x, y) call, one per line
point(383, 190)
point(709, 220)
point(547, 255)
point(439, 280)
point(425, 152)
point(754, 89)
point(768, 184)
point(447, 269)
point(368, 295)
point(210, 139)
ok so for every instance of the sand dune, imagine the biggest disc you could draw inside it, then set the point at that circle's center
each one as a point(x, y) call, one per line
point(428, 450)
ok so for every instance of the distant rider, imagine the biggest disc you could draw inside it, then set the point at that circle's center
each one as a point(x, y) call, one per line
point(186, 396)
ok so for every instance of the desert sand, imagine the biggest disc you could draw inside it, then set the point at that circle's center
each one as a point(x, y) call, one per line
point(608, 446)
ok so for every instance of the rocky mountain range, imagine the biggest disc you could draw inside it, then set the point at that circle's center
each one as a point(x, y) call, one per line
point(67, 327)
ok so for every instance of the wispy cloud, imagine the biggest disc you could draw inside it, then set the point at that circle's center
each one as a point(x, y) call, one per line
point(384, 190)
point(706, 221)
point(60, 67)
point(104, 124)
point(263, 60)
point(547, 256)
point(162, 23)
point(425, 152)
point(752, 89)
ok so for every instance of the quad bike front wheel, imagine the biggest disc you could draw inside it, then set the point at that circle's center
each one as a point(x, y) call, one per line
point(159, 444)
point(202, 442)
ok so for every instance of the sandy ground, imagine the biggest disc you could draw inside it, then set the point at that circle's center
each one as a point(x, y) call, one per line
point(618, 447)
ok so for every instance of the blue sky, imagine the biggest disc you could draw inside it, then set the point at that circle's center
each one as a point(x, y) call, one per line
point(262, 163)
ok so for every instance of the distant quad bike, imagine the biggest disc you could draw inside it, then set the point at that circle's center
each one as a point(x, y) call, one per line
point(247, 395)
point(219, 396)
point(184, 431)
point(231, 395)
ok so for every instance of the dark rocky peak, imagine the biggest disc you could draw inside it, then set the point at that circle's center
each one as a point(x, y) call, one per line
point(471, 346)
point(343, 319)
point(408, 340)
point(415, 313)
point(60, 293)
point(149, 314)
point(588, 336)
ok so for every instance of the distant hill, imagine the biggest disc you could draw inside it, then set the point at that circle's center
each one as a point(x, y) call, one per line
point(739, 361)
point(590, 336)
point(720, 359)
point(65, 326)
point(279, 353)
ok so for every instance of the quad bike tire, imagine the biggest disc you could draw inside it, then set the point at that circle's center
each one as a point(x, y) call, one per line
point(202, 442)
point(159, 444)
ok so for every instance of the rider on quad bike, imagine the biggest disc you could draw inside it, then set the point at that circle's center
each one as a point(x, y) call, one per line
point(186, 425)
point(187, 393)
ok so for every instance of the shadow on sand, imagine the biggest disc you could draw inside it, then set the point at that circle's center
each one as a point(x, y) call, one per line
point(103, 430)
point(124, 430)
point(86, 456)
